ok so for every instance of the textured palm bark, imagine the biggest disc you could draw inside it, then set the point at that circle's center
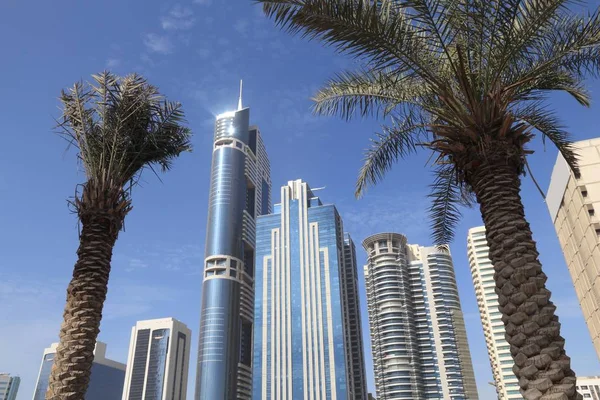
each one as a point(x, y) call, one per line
point(532, 328)
point(85, 298)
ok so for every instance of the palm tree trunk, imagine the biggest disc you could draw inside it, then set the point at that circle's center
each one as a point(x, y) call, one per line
point(85, 298)
point(532, 327)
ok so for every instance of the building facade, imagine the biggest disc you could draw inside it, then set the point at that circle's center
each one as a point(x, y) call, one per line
point(351, 295)
point(240, 190)
point(482, 271)
point(589, 387)
point(9, 387)
point(418, 335)
point(158, 361)
point(304, 344)
point(106, 380)
point(574, 205)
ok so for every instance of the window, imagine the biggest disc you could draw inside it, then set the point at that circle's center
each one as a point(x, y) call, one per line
point(587, 396)
point(584, 388)
point(591, 211)
point(584, 193)
point(577, 175)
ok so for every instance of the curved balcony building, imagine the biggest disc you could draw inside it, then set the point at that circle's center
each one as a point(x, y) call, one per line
point(418, 335)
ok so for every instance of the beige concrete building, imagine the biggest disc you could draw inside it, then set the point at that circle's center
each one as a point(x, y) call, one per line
point(574, 205)
point(482, 271)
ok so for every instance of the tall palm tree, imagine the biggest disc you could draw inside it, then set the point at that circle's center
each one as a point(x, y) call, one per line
point(467, 80)
point(121, 125)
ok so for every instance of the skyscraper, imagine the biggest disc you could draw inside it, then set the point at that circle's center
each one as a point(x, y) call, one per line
point(574, 205)
point(482, 271)
point(355, 355)
point(239, 192)
point(304, 344)
point(418, 335)
point(106, 380)
point(158, 361)
point(9, 386)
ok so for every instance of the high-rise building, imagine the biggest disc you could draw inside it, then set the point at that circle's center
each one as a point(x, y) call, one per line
point(106, 380)
point(589, 387)
point(306, 345)
point(574, 205)
point(418, 334)
point(158, 361)
point(239, 192)
point(482, 271)
point(9, 386)
point(355, 355)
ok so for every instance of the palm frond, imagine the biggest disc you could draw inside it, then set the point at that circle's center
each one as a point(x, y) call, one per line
point(522, 23)
point(378, 31)
point(368, 92)
point(547, 123)
point(535, 88)
point(434, 17)
point(569, 47)
point(396, 141)
point(447, 195)
point(122, 125)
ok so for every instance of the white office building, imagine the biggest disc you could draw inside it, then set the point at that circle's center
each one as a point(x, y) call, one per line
point(418, 334)
point(9, 386)
point(589, 387)
point(482, 271)
point(157, 365)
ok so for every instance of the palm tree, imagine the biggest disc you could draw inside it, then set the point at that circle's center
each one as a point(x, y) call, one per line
point(121, 125)
point(469, 81)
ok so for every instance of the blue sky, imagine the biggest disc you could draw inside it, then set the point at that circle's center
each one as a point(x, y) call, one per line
point(196, 52)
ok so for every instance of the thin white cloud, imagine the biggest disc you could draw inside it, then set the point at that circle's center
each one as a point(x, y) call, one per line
point(113, 63)
point(241, 26)
point(179, 18)
point(203, 52)
point(136, 264)
point(403, 213)
point(158, 44)
point(203, 2)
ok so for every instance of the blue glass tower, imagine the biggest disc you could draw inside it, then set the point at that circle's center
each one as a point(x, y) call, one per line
point(303, 345)
point(106, 379)
point(239, 191)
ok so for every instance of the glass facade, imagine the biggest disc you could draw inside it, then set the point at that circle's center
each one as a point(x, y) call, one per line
point(239, 192)
point(300, 317)
point(355, 351)
point(43, 379)
point(140, 361)
point(106, 382)
point(157, 364)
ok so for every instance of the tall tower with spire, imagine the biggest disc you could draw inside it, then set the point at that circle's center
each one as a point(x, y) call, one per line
point(240, 190)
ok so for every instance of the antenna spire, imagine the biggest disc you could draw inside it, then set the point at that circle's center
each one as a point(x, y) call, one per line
point(240, 99)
